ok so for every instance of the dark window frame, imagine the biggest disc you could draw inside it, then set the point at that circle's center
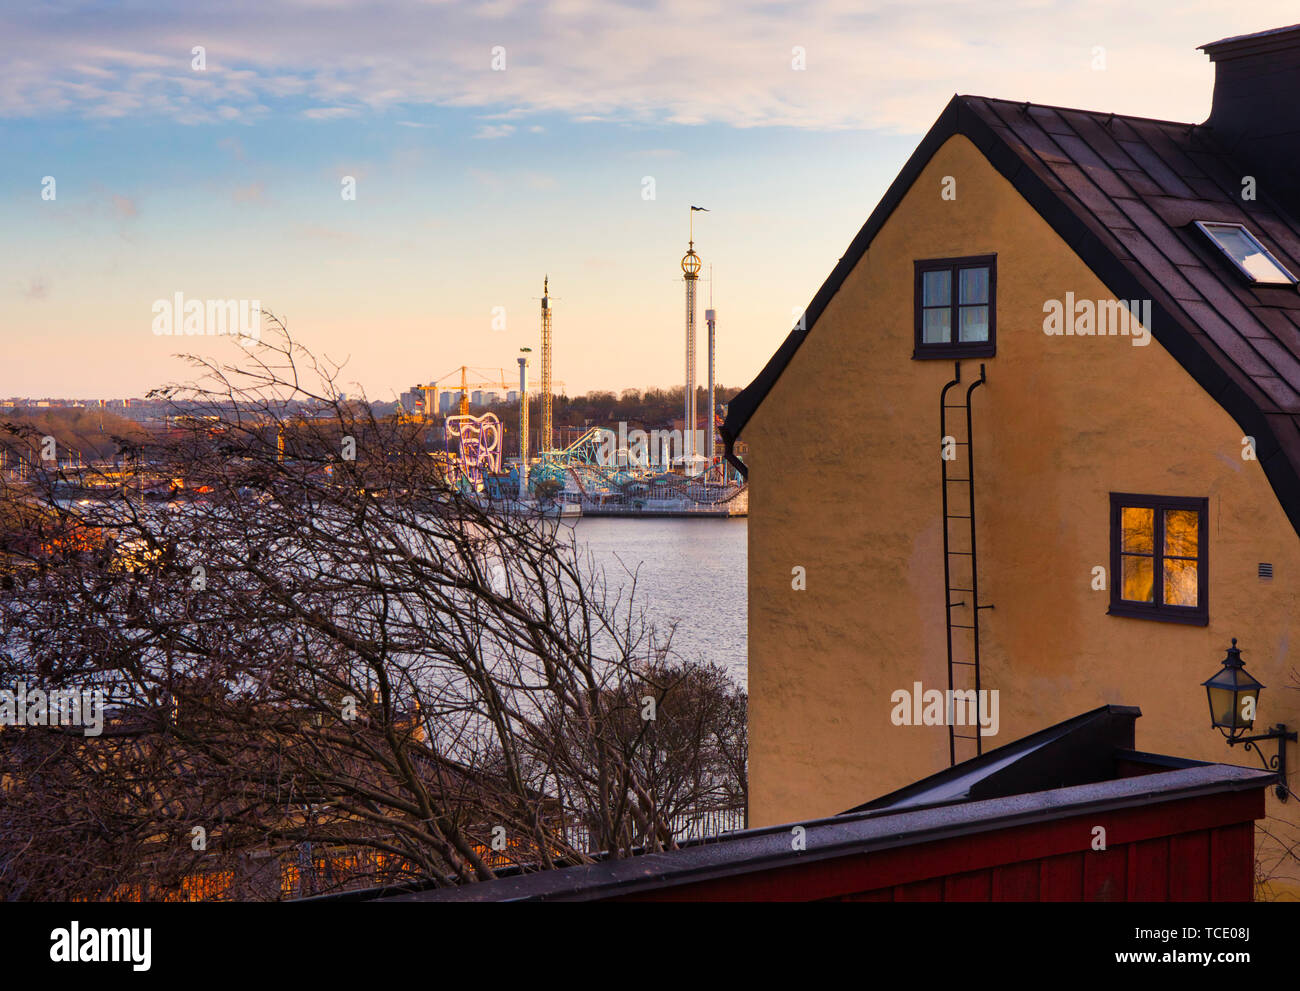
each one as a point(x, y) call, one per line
point(953, 349)
point(1198, 615)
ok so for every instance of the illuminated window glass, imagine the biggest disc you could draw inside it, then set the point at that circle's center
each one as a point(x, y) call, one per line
point(1158, 558)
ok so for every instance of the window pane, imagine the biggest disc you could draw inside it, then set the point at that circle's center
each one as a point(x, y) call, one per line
point(1137, 578)
point(1137, 529)
point(974, 323)
point(1247, 252)
point(935, 326)
point(1180, 582)
point(936, 288)
point(1181, 532)
point(974, 286)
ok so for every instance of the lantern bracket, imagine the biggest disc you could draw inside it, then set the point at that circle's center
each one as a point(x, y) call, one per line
point(1275, 763)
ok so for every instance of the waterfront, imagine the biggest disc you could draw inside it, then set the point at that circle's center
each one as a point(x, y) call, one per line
point(691, 570)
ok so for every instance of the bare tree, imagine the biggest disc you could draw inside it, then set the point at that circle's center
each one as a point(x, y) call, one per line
point(319, 651)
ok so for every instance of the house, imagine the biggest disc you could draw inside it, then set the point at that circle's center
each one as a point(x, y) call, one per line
point(1070, 813)
point(1063, 360)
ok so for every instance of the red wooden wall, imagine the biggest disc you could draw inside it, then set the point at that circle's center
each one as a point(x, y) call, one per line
point(1196, 849)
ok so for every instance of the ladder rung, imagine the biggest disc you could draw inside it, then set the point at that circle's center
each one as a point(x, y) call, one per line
point(960, 626)
point(961, 590)
point(969, 664)
point(956, 479)
point(966, 553)
point(954, 605)
point(956, 517)
point(963, 736)
point(955, 407)
point(984, 607)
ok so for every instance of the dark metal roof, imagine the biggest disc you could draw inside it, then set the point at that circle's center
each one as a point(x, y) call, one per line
point(1123, 192)
point(849, 834)
point(1078, 751)
point(1065, 770)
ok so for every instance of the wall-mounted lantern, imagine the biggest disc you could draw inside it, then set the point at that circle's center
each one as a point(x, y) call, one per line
point(1234, 699)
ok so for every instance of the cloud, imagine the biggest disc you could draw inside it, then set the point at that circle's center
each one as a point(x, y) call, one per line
point(495, 131)
point(878, 64)
point(37, 288)
point(330, 113)
point(125, 207)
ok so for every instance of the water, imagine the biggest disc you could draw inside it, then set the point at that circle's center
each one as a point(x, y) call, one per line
point(691, 570)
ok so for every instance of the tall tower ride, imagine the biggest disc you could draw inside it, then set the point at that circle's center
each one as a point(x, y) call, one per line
point(690, 273)
point(544, 442)
point(710, 319)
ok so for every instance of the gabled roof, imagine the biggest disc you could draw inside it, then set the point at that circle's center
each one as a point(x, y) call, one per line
point(1123, 192)
point(1078, 751)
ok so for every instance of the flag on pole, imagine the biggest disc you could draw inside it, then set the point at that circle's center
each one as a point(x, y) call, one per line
point(705, 209)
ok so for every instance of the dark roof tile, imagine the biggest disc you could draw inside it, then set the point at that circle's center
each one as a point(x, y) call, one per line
point(1050, 120)
point(1286, 398)
point(1139, 183)
point(1238, 348)
point(1157, 231)
point(1221, 297)
point(1279, 327)
point(1101, 141)
point(1155, 262)
point(1030, 134)
point(1156, 169)
point(1205, 188)
point(1166, 141)
point(1276, 235)
point(1282, 361)
point(1098, 203)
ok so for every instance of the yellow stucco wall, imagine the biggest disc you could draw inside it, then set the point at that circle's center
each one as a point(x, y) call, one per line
point(844, 477)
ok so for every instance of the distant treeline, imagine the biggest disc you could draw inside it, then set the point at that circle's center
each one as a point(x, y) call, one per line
point(90, 431)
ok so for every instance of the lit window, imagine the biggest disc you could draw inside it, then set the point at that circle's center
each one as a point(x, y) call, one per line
point(955, 307)
point(1254, 260)
point(1158, 558)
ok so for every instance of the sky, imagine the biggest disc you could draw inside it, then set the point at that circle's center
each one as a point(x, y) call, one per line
point(490, 144)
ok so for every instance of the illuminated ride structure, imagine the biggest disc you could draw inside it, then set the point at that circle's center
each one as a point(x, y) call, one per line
point(473, 448)
point(585, 474)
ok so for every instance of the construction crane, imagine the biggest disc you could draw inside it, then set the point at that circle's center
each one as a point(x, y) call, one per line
point(492, 378)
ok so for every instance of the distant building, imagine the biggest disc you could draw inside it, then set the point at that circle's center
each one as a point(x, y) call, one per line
point(512, 396)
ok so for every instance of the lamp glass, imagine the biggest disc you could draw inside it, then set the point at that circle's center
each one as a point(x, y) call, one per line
point(1228, 706)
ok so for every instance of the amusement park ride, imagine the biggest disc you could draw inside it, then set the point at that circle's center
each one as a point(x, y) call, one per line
point(584, 474)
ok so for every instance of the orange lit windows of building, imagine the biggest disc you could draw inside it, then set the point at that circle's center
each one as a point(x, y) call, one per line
point(1159, 558)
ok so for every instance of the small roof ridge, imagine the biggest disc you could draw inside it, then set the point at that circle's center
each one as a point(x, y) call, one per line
point(1109, 115)
point(1270, 35)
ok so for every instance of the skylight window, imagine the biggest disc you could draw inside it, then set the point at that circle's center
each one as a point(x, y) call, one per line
point(1251, 258)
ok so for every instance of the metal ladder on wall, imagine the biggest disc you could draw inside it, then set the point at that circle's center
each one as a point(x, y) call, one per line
point(960, 565)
